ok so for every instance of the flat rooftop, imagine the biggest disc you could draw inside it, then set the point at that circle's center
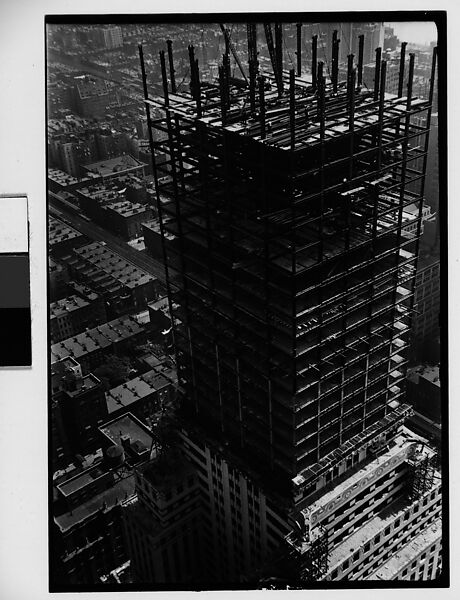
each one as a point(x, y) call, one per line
point(58, 232)
point(103, 258)
point(427, 372)
point(123, 489)
point(63, 365)
point(89, 86)
point(73, 484)
point(83, 291)
point(67, 305)
point(136, 389)
point(86, 383)
point(95, 339)
point(127, 425)
point(113, 166)
point(409, 552)
point(154, 226)
point(127, 209)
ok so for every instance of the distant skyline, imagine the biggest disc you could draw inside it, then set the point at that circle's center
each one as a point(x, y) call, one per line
point(422, 32)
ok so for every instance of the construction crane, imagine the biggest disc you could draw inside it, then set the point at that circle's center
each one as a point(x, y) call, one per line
point(229, 43)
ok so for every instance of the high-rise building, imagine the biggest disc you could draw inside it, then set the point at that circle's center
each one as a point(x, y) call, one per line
point(296, 291)
point(113, 37)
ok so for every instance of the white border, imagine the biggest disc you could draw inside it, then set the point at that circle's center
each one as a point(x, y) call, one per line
point(23, 418)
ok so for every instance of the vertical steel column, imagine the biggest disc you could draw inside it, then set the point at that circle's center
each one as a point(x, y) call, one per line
point(383, 75)
point(226, 72)
point(164, 78)
point(279, 49)
point(223, 96)
point(351, 112)
point(322, 133)
point(360, 60)
point(320, 94)
point(177, 204)
point(335, 61)
point(262, 107)
point(401, 69)
point(402, 184)
point(171, 67)
point(349, 71)
point(378, 59)
point(314, 59)
point(292, 106)
point(253, 64)
point(158, 200)
point(299, 49)
point(195, 86)
point(198, 90)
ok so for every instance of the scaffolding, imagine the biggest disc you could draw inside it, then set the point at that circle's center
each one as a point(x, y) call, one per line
point(315, 561)
point(421, 473)
point(287, 196)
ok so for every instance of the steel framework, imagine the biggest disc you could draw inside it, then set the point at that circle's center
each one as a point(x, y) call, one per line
point(288, 197)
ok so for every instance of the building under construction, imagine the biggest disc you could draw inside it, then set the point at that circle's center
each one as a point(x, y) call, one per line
point(287, 194)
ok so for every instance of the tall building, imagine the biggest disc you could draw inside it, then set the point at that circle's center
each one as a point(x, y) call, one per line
point(113, 37)
point(296, 291)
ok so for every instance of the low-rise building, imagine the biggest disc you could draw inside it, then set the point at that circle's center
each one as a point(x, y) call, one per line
point(125, 218)
point(122, 285)
point(116, 167)
point(87, 533)
point(91, 347)
point(144, 395)
point(58, 274)
point(73, 314)
point(83, 410)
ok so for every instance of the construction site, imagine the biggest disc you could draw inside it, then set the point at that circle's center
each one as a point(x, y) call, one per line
point(286, 195)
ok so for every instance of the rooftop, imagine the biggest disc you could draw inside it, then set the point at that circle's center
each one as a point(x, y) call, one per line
point(83, 291)
point(127, 426)
point(64, 365)
point(58, 232)
point(427, 372)
point(127, 209)
point(117, 165)
point(136, 389)
point(94, 339)
point(66, 306)
point(86, 383)
point(89, 86)
point(122, 489)
point(81, 480)
point(75, 467)
point(409, 552)
point(155, 227)
point(111, 263)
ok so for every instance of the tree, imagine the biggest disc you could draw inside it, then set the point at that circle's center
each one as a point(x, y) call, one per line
point(113, 372)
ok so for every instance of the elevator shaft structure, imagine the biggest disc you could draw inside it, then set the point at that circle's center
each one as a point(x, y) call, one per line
point(286, 203)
